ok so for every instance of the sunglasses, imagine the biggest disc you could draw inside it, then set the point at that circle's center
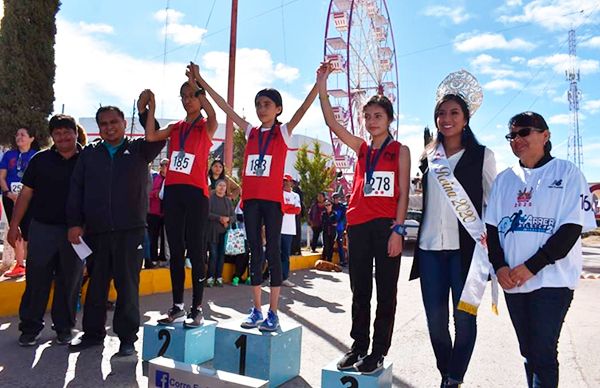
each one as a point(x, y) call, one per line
point(523, 132)
point(327, 204)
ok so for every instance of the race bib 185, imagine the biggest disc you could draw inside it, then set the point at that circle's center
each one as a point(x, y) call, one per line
point(256, 167)
point(183, 163)
point(382, 184)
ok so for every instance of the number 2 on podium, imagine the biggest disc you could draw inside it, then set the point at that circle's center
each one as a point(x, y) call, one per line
point(162, 334)
point(349, 380)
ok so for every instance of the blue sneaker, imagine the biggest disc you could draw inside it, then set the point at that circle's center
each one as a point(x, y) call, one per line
point(271, 323)
point(254, 319)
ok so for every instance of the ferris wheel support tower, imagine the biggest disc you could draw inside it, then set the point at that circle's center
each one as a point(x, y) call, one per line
point(574, 150)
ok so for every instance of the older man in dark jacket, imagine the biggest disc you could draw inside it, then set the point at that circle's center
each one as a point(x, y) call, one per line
point(107, 208)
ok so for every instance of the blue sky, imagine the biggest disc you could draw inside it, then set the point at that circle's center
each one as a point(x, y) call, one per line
point(107, 51)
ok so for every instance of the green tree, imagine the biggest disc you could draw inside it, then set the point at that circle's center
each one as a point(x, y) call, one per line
point(239, 145)
point(316, 173)
point(27, 68)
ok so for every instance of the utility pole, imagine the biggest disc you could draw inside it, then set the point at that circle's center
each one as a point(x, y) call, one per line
point(574, 149)
point(228, 151)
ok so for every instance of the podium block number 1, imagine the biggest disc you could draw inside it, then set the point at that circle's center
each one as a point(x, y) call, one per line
point(241, 343)
point(164, 333)
point(351, 381)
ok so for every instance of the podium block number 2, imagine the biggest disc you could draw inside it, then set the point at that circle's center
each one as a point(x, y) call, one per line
point(241, 343)
point(164, 333)
point(351, 381)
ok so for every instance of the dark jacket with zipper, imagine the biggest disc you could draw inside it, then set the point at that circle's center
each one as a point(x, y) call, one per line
point(468, 172)
point(110, 194)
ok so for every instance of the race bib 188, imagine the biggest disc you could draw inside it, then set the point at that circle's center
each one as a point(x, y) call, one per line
point(183, 163)
point(256, 167)
point(382, 184)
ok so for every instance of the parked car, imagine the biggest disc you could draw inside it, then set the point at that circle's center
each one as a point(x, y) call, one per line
point(412, 221)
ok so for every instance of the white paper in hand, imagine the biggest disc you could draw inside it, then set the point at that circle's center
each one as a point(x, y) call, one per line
point(82, 249)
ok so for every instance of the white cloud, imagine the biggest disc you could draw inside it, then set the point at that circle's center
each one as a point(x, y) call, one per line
point(561, 62)
point(96, 27)
point(560, 119)
point(557, 14)
point(175, 30)
point(487, 64)
point(117, 78)
point(517, 59)
point(286, 73)
point(457, 15)
point(488, 41)
point(500, 86)
point(513, 3)
point(592, 42)
point(592, 106)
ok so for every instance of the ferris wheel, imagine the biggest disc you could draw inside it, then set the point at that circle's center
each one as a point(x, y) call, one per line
point(359, 43)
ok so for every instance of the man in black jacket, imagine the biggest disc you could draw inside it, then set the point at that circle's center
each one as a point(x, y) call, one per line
point(107, 208)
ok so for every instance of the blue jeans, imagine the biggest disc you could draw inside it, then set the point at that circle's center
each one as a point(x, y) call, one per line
point(537, 317)
point(286, 248)
point(441, 272)
point(216, 258)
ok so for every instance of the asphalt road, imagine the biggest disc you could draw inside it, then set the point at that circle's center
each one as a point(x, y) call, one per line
point(321, 304)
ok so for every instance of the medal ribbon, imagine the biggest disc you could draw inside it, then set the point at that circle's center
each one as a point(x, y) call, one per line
point(262, 148)
point(183, 134)
point(372, 164)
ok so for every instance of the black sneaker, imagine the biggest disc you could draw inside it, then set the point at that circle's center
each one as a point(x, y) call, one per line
point(194, 319)
point(175, 314)
point(28, 339)
point(126, 349)
point(64, 337)
point(369, 365)
point(349, 359)
point(82, 342)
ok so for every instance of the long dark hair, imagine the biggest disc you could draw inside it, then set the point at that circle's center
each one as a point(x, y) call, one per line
point(213, 181)
point(468, 138)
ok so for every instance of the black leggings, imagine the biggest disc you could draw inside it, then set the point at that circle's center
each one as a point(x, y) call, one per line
point(256, 213)
point(186, 215)
point(24, 225)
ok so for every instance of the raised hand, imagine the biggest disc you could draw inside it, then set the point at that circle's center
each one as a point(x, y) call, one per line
point(142, 102)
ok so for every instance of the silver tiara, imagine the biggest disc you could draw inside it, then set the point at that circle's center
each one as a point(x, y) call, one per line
point(463, 84)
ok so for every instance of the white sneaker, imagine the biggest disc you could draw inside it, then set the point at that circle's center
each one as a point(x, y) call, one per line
point(287, 283)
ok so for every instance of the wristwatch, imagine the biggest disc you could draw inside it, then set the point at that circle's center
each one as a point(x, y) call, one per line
point(400, 229)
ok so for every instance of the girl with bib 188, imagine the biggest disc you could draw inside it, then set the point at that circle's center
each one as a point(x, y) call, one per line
point(262, 197)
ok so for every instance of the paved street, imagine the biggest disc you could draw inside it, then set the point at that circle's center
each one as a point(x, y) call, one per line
point(321, 303)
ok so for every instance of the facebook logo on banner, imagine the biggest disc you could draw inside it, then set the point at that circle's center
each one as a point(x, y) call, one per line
point(162, 379)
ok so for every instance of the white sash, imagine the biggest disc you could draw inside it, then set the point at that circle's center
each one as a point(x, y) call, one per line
point(465, 212)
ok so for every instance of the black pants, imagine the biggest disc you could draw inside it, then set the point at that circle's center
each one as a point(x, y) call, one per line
point(117, 255)
point(156, 231)
point(328, 240)
point(50, 258)
point(241, 264)
point(316, 231)
point(366, 241)
point(186, 218)
point(24, 225)
point(256, 213)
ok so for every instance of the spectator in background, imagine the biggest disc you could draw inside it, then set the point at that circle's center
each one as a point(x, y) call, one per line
point(329, 226)
point(220, 216)
point(155, 218)
point(51, 258)
point(297, 239)
point(12, 169)
point(340, 213)
point(291, 209)
point(314, 220)
point(216, 173)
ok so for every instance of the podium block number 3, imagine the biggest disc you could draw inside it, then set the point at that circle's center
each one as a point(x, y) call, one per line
point(164, 333)
point(351, 381)
point(240, 343)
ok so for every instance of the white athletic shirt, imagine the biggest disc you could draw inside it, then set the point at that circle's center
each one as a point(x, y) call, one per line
point(288, 225)
point(528, 206)
point(439, 230)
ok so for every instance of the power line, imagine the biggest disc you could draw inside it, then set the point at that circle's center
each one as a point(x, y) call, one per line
point(205, 27)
